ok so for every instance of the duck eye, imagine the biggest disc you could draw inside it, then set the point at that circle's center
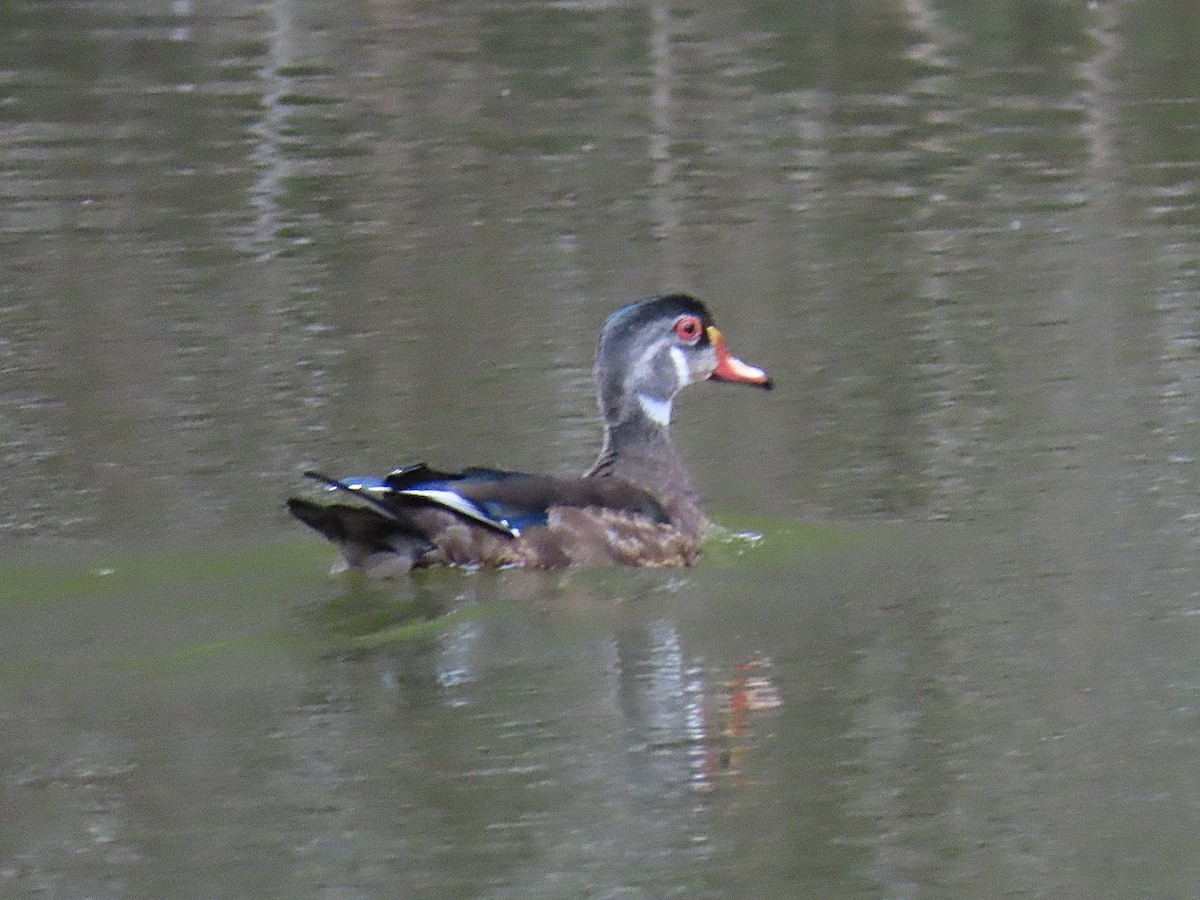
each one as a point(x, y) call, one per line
point(688, 329)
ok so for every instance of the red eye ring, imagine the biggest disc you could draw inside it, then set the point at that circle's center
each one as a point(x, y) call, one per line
point(688, 329)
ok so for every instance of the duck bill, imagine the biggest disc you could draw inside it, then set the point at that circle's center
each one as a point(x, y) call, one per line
point(730, 368)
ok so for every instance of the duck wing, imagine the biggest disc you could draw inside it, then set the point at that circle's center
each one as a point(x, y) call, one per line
point(503, 501)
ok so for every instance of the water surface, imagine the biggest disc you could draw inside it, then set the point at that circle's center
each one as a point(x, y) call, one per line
point(943, 642)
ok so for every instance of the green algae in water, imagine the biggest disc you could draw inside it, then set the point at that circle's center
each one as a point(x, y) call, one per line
point(762, 542)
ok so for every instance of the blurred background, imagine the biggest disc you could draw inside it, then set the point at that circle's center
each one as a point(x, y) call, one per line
point(945, 642)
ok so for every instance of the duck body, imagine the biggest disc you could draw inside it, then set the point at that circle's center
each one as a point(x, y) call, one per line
point(635, 506)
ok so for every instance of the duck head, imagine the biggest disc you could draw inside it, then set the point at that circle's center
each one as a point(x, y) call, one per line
point(651, 349)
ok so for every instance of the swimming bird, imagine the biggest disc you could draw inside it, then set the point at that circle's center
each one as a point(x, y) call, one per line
point(635, 506)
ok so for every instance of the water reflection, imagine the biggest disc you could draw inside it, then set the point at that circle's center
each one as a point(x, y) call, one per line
point(269, 157)
point(681, 720)
point(484, 733)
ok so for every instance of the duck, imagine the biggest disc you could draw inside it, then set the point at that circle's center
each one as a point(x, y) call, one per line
point(636, 506)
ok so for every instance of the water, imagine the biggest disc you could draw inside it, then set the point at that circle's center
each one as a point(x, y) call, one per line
point(944, 642)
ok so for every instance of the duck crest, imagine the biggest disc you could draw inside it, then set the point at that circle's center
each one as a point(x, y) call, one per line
point(635, 506)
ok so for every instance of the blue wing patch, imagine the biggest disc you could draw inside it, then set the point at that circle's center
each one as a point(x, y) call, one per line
point(424, 484)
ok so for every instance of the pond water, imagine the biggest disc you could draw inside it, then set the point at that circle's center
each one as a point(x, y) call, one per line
point(945, 639)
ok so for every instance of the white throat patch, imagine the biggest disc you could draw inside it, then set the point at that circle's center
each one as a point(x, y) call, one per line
point(658, 411)
point(682, 373)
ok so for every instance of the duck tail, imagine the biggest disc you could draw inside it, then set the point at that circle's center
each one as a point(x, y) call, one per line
point(368, 540)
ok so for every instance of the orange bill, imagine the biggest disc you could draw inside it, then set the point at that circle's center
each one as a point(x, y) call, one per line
point(730, 368)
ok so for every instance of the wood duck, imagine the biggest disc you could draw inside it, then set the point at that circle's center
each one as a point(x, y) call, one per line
point(635, 506)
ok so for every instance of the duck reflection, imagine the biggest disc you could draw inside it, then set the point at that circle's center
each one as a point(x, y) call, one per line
point(571, 652)
point(535, 726)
